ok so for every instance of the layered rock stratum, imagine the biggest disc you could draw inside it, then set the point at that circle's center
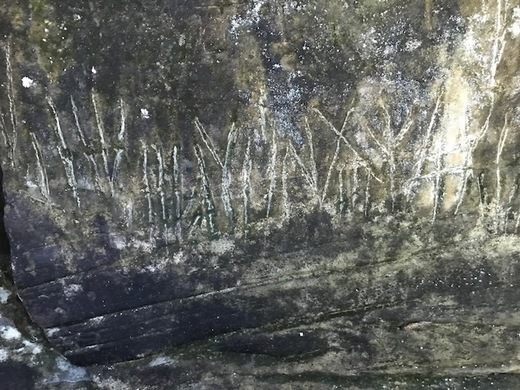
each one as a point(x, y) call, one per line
point(217, 193)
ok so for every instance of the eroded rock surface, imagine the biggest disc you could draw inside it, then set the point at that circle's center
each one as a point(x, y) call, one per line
point(330, 188)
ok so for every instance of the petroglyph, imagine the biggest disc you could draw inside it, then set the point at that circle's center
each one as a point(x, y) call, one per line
point(213, 170)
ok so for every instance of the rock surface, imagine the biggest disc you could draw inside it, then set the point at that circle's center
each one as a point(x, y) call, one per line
point(263, 193)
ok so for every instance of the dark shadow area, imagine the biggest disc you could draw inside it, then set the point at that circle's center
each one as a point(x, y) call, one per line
point(15, 309)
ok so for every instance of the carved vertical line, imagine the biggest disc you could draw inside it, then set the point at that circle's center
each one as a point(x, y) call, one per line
point(120, 150)
point(57, 121)
point(147, 191)
point(101, 134)
point(246, 181)
point(331, 167)
point(498, 190)
point(97, 176)
point(419, 165)
point(271, 171)
point(361, 160)
point(307, 176)
point(392, 170)
point(286, 206)
point(161, 180)
point(76, 121)
point(355, 184)
point(366, 207)
point(499, 41)
point(226, 174)
point(115, 168)
point(65, 154)
point(466, 173)
point(507, 211)
point(129, 208)
point(500, 149)
point(5, 136)
point(43, 181)
point(122, 119)
point(162, 197)
point(208, 142)
point(341, 195)
point(263, 120)
point(313, 168)
point(209, 208)
point(88, 156)
point(177, 183)
point(12, 100)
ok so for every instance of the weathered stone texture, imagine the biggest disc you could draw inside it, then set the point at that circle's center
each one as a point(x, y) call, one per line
point(330, 184)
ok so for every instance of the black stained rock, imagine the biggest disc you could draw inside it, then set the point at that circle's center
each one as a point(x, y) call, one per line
point(330, 187)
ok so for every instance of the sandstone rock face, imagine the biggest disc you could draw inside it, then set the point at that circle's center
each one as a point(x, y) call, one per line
point(330, 186)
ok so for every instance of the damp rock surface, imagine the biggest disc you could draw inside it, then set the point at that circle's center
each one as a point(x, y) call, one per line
point(216, 193)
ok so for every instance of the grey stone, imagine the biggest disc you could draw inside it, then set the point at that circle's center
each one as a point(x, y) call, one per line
point(251, 193)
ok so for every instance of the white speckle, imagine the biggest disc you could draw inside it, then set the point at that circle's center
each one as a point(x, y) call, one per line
point(235, 24)
point(179, 257)
point(72, 289)
point(118, 242)
point(219, 247)
point(27, 82)
point(145, 246)
point(469, 43)
point(144, 113)
point(110, 383)
point(160, 361)
point(301, 334)
point(93, 70)
point(515, 26)
point(51, 331)
point(31, 184)
point(9, 333)
point(68, 372)
point(4, 295)
point(412, 45)
point(3, 355)
point(389, 50)
point(96, 320)
point(250, 19)
point(77, 17)
point(35, 349)
point(182, 40)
